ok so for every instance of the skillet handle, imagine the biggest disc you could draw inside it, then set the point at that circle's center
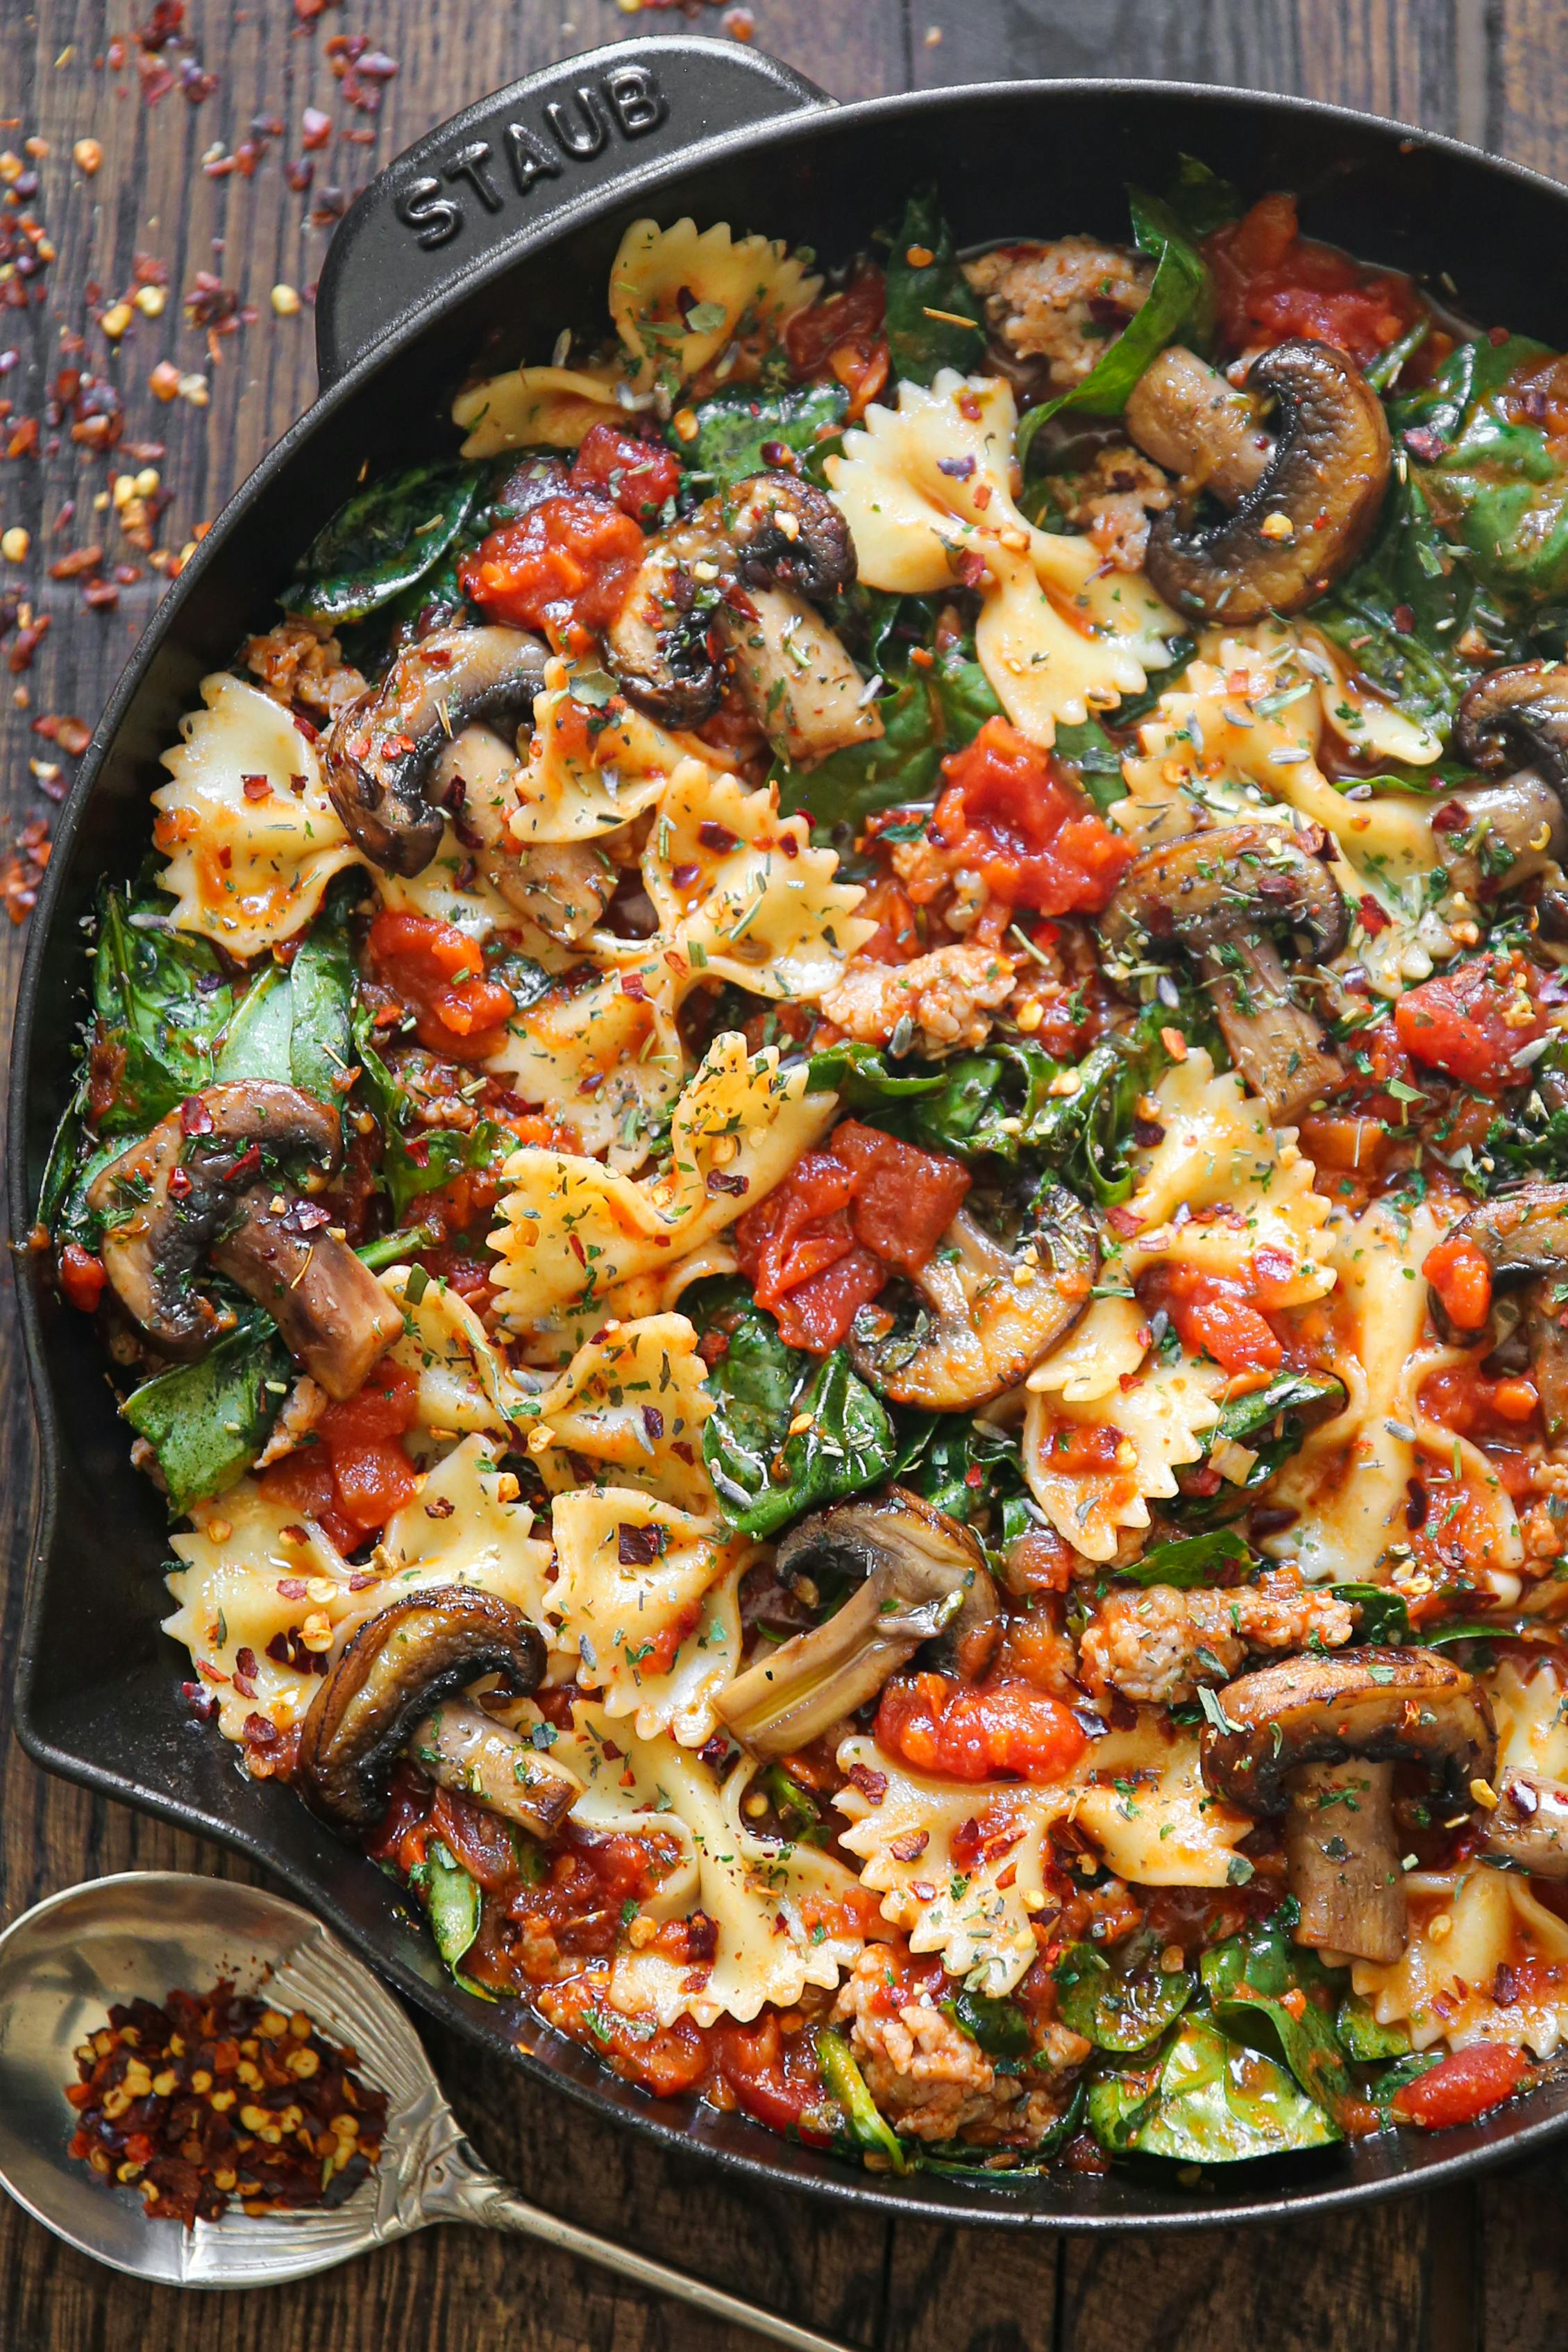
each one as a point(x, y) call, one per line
point(510, 171)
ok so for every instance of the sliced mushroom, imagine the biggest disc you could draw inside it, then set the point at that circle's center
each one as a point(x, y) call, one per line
point(392, 1673)
point(1192, 420)
point(1529, 1824)
point(172, 1200)
point(1304, 520)
point(1512, 724)
point(1219, 896)
point(1517, 715)
point(468, 1751)
point(381, 751)
point(980, 1313)
point(1319, 1738)
point(564, 887)
point(730, 585)
point(1524, 1238)
point(916, 1566)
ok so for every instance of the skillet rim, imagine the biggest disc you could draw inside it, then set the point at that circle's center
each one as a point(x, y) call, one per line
point(1282, 2184)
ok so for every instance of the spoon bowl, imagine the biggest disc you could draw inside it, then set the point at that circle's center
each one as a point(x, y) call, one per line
point(63, 1963)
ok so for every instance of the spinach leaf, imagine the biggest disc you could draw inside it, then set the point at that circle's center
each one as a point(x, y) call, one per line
point(759, 1386)
point(65, 1155)
point(451, 1900)
point(844, 2083)
point(734, 426)
point(965, 1466)
point(1180, 296)
point(1250, 1422)
point(1500, 488)
point(929, 713)
point(1361, 2038)
point(1096, 762)
point(435, 1155)
point(208, 1421)
point(974, 1105)
point(1119, 2010)
point(1190, 1563)
point(384, 538)
point(997, 2025)
point(1384, 1615)
point(1401, 611)
point(1264, 1981)
point(1208, 2101)
point(919, 342)
point(255, 1045)
point(1200, 200)
point(161, 1003)
point(322, 992)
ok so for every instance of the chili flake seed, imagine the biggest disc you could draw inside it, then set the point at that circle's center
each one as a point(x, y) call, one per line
point(285, 302)
point(151, 300)
point(87, 155)
point(157, 2107)
point(15, 543)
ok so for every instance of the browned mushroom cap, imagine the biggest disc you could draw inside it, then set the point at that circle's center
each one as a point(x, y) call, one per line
point(564, 887)
point(1307, 518)
point(1524, 1238)
point(1319, 1736)
point(393, 1671)
point(914, 1569)
point(1192, 420)
point(1518, 716)
point(1219, 896)
point(1512, 724)
point(175, 1198)
point(730, 587)
point(379, 751)
point(982, 1311)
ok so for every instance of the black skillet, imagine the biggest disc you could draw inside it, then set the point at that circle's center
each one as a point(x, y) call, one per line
point(487, 237)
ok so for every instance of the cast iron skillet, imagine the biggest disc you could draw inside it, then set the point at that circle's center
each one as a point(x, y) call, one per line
point(491, 235)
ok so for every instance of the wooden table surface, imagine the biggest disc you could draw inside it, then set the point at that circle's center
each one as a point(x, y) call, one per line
point(1477, 2267)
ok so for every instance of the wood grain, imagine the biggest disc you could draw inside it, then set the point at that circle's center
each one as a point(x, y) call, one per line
point(1400, 2276)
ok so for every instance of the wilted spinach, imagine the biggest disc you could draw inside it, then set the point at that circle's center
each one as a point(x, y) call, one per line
point(759, 1386)
point(1191, 1563)
point(1263, 1986)
point(1270, 1424)
point(929, 713)
point(1207, 2100)
point(736, 426)
point(208, 1421)
point(919, 342)
point(161, 1002)
point(381, 540)
point(1120, 2009)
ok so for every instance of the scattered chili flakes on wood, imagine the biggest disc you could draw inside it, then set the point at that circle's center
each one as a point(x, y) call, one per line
point(23, 869)
point(216, 2095)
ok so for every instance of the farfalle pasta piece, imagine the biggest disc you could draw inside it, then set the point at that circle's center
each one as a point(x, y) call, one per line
point(1245, 1193)
point(743, 894)
point(629, 1411)
point(1238, 739)
point(592, 765)
point(1159, 1422)
point(571, 1229)
point(1349, 1482)
point(1106, 1345)
point(453, 888)
point(1465, 1926)
point(466, 1384)
point(468, 1524)
point(534, 407)
point(1149, 1811)
point(248, 866)
point(787, 1916)
point(602, 1052)
point(925, 490)
point(649, 1608)
point(1531, 1712)
point(678, 295)
point(976, 1905)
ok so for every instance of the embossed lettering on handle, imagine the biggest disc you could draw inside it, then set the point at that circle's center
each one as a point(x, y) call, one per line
point(625, 102)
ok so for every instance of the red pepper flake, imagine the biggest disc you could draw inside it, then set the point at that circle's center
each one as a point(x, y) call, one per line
point(161, 2102)
point(316, 129)
point(23, 870)
point(72, 735)
point(1372, 919)
point(195, 1117)
point(1403, 619)
point(81, 560)
point(872, 1786)
point(291, 1587)
point(716, 836)
point(256, 788)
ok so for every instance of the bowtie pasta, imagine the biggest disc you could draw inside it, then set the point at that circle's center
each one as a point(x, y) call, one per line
point(841, 1086)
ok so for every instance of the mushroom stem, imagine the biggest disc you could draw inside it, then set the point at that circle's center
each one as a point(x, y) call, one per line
point(466, 1750)
point(1342, 1859)
point(1530, 1823)
point(1189, 419)
point(1276, 1046)
point(333, 1315)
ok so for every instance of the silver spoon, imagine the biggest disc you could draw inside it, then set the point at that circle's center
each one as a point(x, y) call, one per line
point(61, 1965)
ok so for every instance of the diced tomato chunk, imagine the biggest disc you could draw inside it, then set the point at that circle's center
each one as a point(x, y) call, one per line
point(82, 1277)
point(905, 1198)
point(1214, 1315)
point(570, 561)
point(1273, 283)
point(639, 476)
point(1007, 813)
point(1471, 1022)
point(1461, 2086)
point(1458, 1273)
point(439, 973)
point(356, 1475)
point(773, 2075)
point(969, 1733)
